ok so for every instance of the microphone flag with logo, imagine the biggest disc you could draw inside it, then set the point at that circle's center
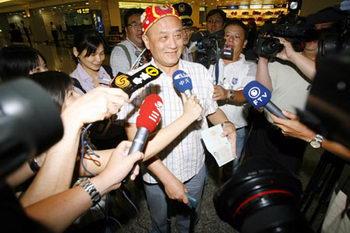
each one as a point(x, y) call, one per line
point(129, 84)
point(259, 96)
point(182, 82)
point(147, 121)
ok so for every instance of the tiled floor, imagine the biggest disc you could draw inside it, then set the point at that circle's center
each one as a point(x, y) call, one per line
point(59, 58)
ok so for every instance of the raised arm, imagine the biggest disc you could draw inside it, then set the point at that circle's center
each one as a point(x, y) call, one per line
point(262, 73)
point(56, 173)
point(294, 128)
point(59, 211)
point(165, 136)
point(305, 64)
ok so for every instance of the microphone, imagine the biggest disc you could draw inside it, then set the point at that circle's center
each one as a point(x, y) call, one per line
point(129, 84)
point(147, 121)
point(182, 82)
point(259, 96)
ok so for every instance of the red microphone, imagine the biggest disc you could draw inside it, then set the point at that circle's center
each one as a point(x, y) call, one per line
point(147, 121)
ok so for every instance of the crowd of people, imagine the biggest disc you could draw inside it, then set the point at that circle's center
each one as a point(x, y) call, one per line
point(173, 161)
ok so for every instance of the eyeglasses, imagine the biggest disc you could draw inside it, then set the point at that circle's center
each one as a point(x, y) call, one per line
point(135, 25)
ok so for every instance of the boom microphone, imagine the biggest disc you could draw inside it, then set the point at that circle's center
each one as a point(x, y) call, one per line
point(182, 82)
point(129, 84)
point(147, 121)
point(259, 96)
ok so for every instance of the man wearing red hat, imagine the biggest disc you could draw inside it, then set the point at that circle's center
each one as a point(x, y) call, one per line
point(179, 169)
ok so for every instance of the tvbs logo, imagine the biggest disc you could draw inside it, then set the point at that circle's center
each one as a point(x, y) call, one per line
point(259, 97)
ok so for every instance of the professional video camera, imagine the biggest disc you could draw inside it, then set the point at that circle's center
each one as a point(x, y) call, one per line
point(291, 27)
point(261, 197)
point(336, 39)
point(29, 123)
point(208, 46)
point(328, 106)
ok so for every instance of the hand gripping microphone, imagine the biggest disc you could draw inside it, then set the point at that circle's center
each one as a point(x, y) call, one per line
point(147, 121)
point(182, 82)
point(259, 96)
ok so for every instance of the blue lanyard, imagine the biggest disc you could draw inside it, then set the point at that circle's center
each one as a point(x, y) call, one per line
point(217, 73)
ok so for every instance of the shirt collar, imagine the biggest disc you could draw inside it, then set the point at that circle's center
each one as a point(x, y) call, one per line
point(102, 73)
point(153, 63)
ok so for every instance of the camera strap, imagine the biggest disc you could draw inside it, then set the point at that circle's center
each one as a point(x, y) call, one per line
point(217, 73)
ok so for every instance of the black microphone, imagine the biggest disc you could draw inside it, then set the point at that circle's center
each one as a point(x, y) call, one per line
point(129, 84)
point(259, 96)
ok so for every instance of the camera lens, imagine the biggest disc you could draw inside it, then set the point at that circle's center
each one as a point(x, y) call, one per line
point(261, 197)
point(271, 46)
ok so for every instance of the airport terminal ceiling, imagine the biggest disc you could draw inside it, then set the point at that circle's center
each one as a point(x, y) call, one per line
point(40, 3)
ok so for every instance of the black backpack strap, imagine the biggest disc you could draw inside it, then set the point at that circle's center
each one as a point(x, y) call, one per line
point(108, 69)
point(126, 51)
point(77, 84)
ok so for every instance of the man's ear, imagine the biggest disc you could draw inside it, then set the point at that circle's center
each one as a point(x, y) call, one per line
point(75, 52)
point(145, 40)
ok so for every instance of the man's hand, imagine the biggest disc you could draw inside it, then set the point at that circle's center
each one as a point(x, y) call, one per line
point(229, 131)
point(176, 190)
point(220, 93)
point(288, 51)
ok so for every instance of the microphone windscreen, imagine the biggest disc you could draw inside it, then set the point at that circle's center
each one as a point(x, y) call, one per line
point(182, 82)
point(256, 94)
point(149, 113)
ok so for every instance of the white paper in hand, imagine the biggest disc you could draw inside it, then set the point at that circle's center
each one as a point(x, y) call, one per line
point(218, 145)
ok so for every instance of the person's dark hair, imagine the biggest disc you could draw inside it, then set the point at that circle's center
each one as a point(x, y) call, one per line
point(18, 61)
point(130, 12)
point(216, 11)
point(239, 23)
point(88, 40)
point(56, 83)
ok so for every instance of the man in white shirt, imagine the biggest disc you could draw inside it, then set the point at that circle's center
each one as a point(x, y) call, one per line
point(178, 169)
point(124, 54)
point(230, 75)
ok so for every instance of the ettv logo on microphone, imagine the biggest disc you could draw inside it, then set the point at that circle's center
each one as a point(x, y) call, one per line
point(256, 94)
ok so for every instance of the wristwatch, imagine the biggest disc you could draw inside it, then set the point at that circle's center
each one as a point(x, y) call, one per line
point(316, 142)
point(90, 188)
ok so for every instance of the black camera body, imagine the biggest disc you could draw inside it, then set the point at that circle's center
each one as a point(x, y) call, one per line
point(209, 46)
point(291, 27)
point(268, 47)
point(336, 39)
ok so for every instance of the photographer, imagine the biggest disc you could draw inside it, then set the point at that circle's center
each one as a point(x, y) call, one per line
point(289, 91)
point(210, 42)
point(231, 73)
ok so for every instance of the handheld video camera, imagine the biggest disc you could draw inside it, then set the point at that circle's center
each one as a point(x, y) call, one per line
point(208, 46)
